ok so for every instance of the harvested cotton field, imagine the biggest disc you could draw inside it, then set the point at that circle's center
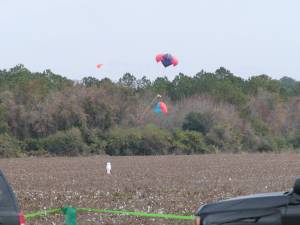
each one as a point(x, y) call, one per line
point(154, 184)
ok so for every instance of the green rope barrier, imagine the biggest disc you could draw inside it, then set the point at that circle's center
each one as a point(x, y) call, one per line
point(141, 214)
point(72, 214)
point(42, 213)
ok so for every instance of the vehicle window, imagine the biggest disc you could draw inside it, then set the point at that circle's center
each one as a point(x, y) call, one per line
point(5, 197)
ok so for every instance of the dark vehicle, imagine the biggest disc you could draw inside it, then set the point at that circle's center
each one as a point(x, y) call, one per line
point(9, 210)
point(282, 208)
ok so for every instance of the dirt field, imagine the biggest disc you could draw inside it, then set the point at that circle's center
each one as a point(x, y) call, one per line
point(162, 184)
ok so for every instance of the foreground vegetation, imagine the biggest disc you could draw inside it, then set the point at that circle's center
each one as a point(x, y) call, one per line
point(48, 114)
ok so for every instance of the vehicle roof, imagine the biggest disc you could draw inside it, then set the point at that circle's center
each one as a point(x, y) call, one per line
point(250, 202)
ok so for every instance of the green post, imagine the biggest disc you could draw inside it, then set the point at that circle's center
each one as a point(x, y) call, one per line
point(70, 215)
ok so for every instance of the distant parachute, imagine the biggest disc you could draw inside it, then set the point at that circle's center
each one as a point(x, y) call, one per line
point(157, 105)
point(161, 107)
point(166, 59)
point(98, 66)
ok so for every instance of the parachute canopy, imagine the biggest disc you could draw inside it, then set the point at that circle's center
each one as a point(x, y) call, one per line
point(161, 107)
point(98, 66)
point(166, 59)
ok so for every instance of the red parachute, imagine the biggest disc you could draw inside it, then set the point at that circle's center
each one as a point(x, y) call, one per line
point(166, 59)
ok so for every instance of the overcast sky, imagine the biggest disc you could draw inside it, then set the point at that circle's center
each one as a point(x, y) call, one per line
point(248, 37)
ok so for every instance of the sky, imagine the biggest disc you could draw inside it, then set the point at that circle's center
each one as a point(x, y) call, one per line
point(248, 37)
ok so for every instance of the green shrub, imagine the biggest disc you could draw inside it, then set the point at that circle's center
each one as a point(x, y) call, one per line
point(260, 127)
point(295, 141)
point(32, 144)
point(188, 142)
point(266, 146)
point(34, 147)
point(9, 146)
point(281, 143)
point(154, 141)
point(148, 140)
point(200, 122)
point(69, 142)
point(123, 141)
point(4, 128)
point(216, 138)
point(250, 141)
point(224, 137)
point(95, 139)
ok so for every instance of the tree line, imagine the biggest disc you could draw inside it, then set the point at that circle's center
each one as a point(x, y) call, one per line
point(42, 113)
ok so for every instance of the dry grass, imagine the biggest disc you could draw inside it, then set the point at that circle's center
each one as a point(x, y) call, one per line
point(163, 184)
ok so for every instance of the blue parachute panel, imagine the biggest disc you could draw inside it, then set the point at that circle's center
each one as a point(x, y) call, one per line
point(157, 108)
point(167, 60)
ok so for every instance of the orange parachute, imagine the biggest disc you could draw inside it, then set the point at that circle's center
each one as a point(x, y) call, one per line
point(98, 66)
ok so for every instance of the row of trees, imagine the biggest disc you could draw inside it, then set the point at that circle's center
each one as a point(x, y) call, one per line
point(45, 113)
